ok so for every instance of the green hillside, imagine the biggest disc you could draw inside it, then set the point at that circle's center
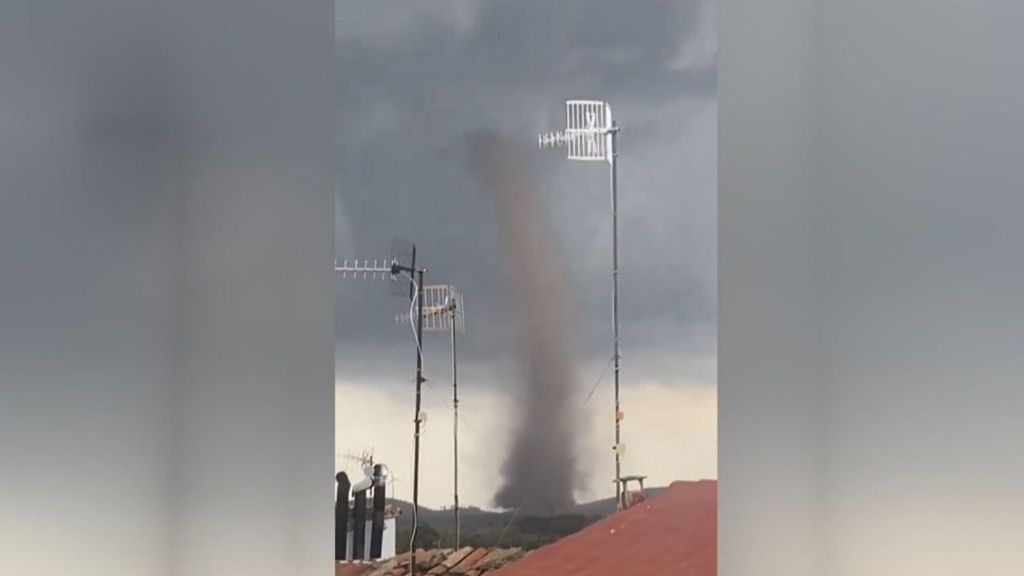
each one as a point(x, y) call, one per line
point(482, 528)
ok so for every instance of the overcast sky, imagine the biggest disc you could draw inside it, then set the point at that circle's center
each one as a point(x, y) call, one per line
point(412, 81)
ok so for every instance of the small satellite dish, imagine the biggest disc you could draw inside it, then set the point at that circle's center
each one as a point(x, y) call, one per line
point(367, 480)
point(363, 484)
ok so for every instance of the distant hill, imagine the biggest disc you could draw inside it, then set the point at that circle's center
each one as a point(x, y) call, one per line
point(489, 529)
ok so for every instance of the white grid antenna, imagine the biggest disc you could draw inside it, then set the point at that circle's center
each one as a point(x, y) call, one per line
point(588, 133)
point(444, 311)
point(442, 305)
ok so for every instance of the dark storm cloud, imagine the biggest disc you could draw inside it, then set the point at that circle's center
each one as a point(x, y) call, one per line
point(413, 82)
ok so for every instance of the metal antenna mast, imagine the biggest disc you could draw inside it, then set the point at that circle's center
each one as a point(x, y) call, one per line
point(590, 135)
point(402, 263)
point(444, 311)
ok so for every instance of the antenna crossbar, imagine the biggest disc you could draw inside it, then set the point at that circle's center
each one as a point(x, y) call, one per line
point(365, 269)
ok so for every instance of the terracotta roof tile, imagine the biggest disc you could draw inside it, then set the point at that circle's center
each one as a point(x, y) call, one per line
point(435, 562)
point(458, 556)
point(353, 568)
point(426, 559)
point(499, 557)
point(389, 567)
point(470, 561)
point(671, 534)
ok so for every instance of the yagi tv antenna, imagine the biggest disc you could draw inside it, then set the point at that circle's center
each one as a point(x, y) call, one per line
point(589, 135)
point(404, 279)
point(589, 131)
point(364, 458)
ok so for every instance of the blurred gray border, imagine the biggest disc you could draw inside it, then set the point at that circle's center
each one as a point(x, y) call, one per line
point(870, 322)
point(166, 292)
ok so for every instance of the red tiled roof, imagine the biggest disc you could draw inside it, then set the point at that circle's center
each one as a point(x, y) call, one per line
point(436, 562)
point(672, 534)
point(353, 568)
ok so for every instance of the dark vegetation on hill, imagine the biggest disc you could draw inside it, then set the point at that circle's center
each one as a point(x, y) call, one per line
point(482, 528)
